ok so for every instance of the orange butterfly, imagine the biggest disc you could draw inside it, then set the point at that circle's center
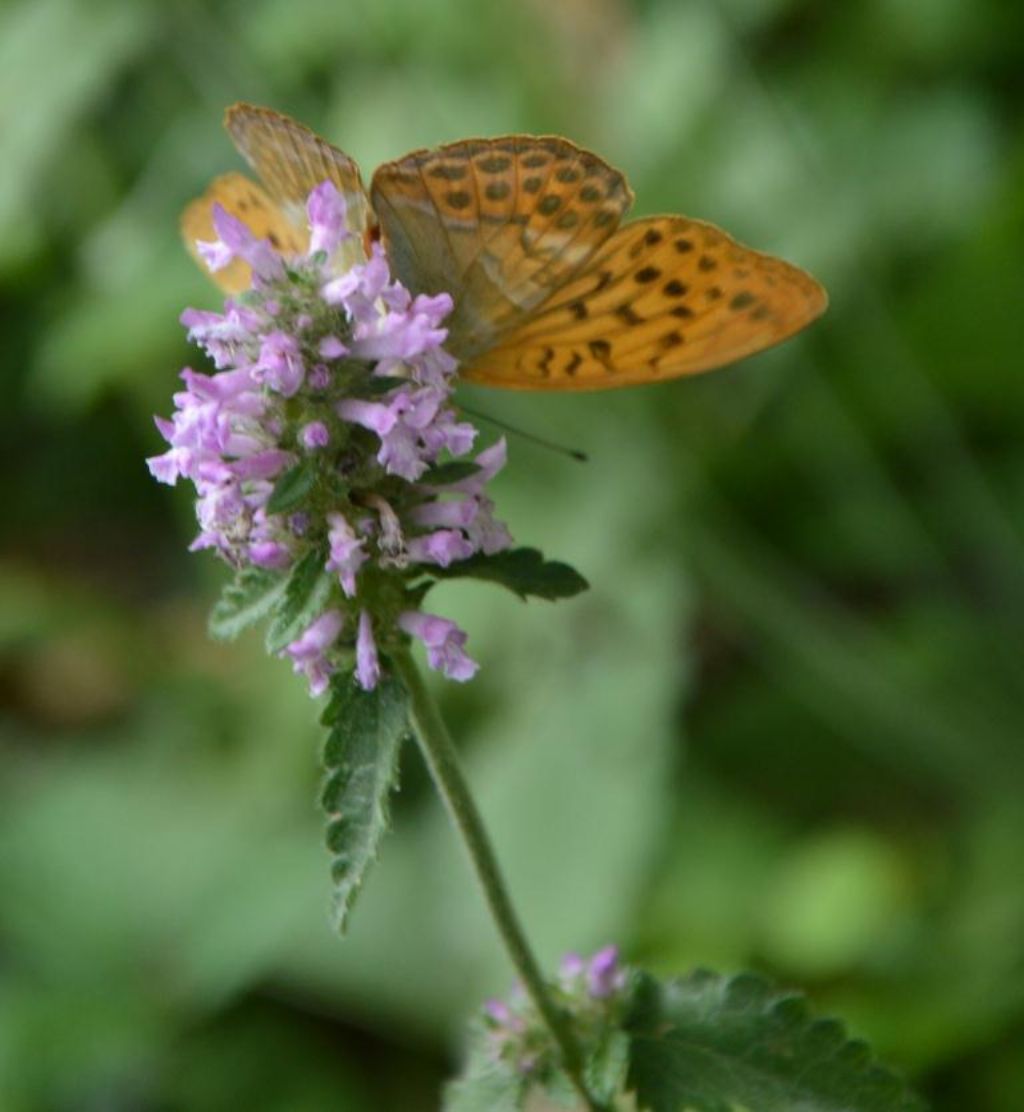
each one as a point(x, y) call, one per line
point(550, 292)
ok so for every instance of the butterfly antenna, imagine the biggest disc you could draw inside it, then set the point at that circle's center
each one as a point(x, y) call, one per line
point(561, 449)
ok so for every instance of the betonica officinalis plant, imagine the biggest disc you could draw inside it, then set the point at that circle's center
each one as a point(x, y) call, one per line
point(338, 479)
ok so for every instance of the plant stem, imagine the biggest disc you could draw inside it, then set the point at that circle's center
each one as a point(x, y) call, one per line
point(443, 762)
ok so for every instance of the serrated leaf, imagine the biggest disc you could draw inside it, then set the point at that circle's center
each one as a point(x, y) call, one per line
point(718, 1044)
point(249, 598)
point(292, 487)
point(524, 571)
point(304, 597)
point(361, 758)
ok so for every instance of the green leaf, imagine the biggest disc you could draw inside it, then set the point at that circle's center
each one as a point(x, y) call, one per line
point(454, 471)
point(292, 487)
point(717, 1044)
point(524, 571)
point(305, 595)
point(361, 758)
point(250, 597)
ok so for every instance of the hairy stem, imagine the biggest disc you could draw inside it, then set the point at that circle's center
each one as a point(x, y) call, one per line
point(442, 760)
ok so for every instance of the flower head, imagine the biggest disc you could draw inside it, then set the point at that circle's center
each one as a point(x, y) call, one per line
point(313, 442)
point(592, 990)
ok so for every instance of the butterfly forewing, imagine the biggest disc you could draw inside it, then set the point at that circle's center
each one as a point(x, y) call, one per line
point(291, 160)
point(248, 202)
point(498, 223)
point(664, 297)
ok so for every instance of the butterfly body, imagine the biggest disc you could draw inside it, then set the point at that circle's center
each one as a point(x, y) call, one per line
point(551, 291)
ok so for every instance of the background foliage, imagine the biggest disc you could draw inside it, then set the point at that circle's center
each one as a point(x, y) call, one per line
point(783, 729)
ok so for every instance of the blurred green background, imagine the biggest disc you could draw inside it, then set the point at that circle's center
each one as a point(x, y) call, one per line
point(783, 729)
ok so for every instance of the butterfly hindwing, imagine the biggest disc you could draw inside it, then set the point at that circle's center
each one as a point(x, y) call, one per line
point(291, 160)
point(498, 223)
point(664, 297)
point(250, 203)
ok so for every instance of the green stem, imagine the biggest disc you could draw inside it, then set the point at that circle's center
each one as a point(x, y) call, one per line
point(443, 762)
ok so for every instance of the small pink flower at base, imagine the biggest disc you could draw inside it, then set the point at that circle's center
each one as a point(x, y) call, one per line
point(347, 555)
point(605, 976)
point(571, 967)
point(443, 641)
point(367, 662)
point(592, 992)
point(309, 651)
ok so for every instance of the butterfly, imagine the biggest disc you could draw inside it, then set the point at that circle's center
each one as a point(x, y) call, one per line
point(551, 290)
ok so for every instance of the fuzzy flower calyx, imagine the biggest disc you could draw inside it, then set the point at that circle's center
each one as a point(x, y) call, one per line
point(314, 445)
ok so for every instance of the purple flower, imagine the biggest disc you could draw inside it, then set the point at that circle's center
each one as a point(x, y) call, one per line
point(485, 533)
point(442, 547)
point(404, 426)
point(223, 336)
point(325, 210)
point(309, 652)
point(367, 664)
point(347, 554)
point(498, 1010)
point(330, 347)
point(235, 241)
point(375, 416)
point(605, 977)
point(314, 435)
point(403, 335)
point(270, 554)
point(443, 641)
point(358, 290)
point(319, 377)
point(452, 515)
point(280, 363)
